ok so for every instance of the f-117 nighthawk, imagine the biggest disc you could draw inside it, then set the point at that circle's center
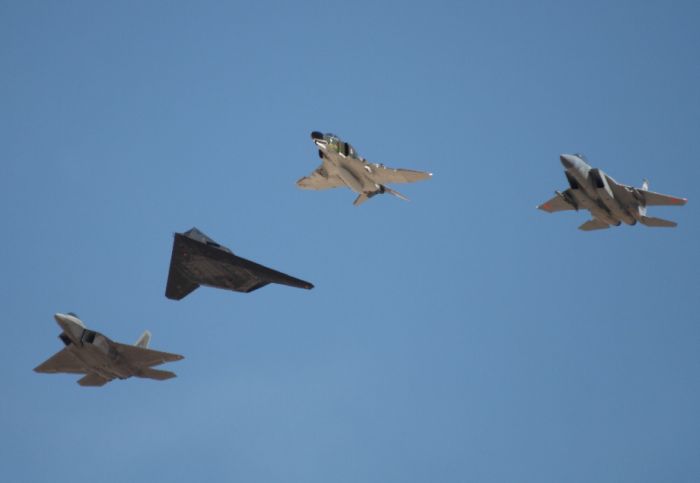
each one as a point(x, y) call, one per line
point(342, 166)
point(101, 359)
point(609, 202)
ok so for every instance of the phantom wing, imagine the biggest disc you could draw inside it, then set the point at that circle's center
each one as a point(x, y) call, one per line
point(62, 361)
point(140, 357)
point(320, 180)
point(382, 175)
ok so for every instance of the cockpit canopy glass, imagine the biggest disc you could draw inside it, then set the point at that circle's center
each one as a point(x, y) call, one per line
point(582, 156)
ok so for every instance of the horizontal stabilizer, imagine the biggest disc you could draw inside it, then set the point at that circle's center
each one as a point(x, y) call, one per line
point(360, 199)
point(594, 224)
point(93, 380)
point(657, 222)
point(156, 374)
point(396, 193)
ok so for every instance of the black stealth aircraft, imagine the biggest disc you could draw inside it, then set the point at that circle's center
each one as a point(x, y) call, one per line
point(199, 260)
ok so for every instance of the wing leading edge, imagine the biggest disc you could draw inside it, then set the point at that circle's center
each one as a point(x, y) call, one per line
point(558, 203)
point(383, 175)
point(62, 361)
point(320, 180)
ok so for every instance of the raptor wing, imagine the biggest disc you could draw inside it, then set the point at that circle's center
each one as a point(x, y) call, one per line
point(141, 357)
point(62, 361)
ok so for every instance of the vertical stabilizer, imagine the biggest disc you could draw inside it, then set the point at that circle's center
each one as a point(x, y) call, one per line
point(144, 340)
point(643, 208)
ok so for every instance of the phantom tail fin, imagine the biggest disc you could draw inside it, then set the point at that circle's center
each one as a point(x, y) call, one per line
point(143, 340)
point(657, 222)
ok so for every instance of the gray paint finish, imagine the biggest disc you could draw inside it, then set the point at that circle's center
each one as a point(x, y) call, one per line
point(342, 166)
point(609, 202)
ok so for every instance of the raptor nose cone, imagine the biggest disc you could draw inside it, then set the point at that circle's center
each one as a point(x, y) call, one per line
point(566, 161)
point(316, 135)
point(70, 324)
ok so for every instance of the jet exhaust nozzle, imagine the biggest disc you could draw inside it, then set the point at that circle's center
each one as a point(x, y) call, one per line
point(316, 135)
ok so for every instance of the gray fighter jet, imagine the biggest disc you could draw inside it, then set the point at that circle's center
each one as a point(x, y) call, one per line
point(609, 202)
point(198, 260)
point(342, 166)
point(89, 352)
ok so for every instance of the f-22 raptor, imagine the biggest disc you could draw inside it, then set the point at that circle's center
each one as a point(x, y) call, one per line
point(609, 202)
point(342, 166)
point(89, 352)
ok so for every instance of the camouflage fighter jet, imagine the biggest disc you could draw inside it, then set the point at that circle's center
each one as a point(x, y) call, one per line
point(610, 203)
point(198, 260)
point(342, 166)
point(101, 359)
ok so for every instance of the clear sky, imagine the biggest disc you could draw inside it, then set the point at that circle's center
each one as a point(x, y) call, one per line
point(463, 336)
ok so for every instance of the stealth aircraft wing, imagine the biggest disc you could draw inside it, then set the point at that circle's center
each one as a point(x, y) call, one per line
point(198, 260)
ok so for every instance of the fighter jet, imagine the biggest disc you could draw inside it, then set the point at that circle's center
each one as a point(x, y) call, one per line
point(89, 352)
point(609, 202)
point(342, 166)
point(198, 260)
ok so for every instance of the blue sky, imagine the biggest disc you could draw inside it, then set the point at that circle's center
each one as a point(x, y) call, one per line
point(463, 336)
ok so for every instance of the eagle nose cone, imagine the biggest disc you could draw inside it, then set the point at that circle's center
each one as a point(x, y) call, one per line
point(566, 161)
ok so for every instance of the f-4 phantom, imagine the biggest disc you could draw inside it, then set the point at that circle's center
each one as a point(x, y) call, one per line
point(609, 202)
point(342, 166)
point(101, 359)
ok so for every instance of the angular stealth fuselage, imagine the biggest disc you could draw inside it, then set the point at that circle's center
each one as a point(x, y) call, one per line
point(609, 202)
point(198, 260)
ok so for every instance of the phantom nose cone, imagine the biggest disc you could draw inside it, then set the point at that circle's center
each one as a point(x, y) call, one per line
point(316, 135)
point(566, 161)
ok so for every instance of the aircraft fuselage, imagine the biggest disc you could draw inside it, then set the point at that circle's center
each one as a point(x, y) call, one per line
point(93, 349)
point(591, 191)
point(341, 161)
